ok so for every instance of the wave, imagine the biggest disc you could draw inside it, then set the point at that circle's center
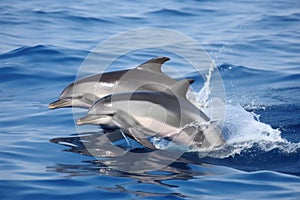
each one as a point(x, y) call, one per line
point(31, 52)
point(40, 62)
point(170, 12)
point(78, 17)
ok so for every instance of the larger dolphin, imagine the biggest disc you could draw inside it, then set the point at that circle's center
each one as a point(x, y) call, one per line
point(84, 92)
point(165, 114)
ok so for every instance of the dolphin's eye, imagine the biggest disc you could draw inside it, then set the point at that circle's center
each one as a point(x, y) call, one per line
point(106, 98)
point(110, 114)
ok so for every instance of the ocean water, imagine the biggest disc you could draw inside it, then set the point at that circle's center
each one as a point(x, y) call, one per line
point(255, 45)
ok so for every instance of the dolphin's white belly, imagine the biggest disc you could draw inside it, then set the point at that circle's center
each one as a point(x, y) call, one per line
point(159, 127)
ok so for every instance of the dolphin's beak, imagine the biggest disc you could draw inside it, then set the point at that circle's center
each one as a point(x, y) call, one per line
point(60, 103)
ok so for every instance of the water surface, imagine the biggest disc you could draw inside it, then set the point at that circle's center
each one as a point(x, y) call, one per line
point(255, 45)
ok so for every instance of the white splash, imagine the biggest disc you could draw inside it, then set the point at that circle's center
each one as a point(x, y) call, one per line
point(242, 130)
point(201, 99)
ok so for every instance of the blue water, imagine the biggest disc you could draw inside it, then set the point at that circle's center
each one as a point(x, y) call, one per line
point(255, 45)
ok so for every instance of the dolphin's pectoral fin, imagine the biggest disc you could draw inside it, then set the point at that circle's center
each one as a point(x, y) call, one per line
point(133, 128)
point(140, 138)
point(153, 65)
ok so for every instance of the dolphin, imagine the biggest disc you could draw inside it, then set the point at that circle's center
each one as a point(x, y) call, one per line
point(84, 92)
point(166, 114)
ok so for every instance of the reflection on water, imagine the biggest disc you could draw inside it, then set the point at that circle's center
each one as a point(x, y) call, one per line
point(128, 153)
point(186, 177)
point(177, 170)
point(88, 143)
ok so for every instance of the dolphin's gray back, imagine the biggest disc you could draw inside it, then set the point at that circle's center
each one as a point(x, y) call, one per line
point(105, 77)
point(100, 85)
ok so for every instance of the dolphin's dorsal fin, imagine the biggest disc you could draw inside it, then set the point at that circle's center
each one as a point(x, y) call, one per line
point(154, 64)
point(190, 80)
point(181, 87)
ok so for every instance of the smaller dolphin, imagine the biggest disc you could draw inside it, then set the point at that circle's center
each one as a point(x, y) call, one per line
point(165, 114)
point(84, 92)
